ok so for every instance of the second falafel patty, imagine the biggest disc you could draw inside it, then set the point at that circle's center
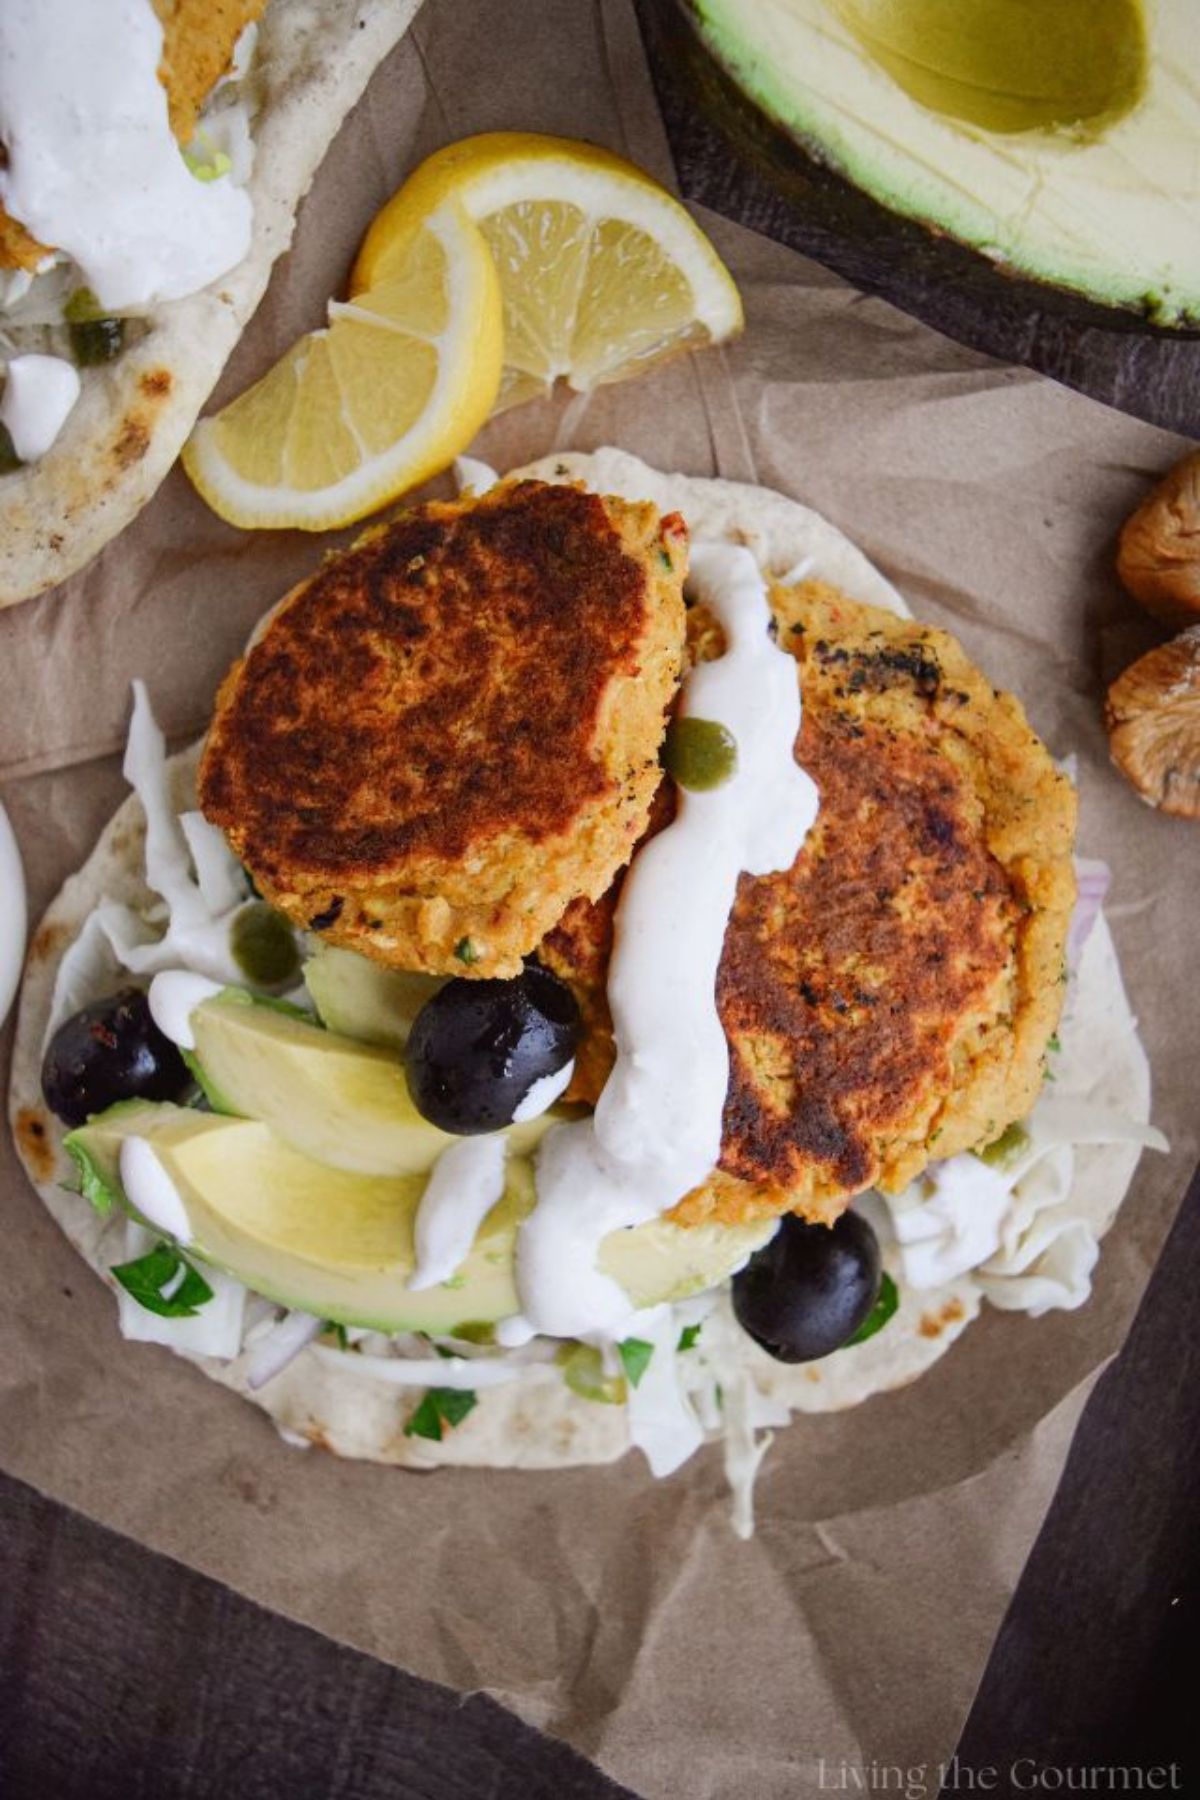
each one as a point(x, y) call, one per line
point(452, 730)
point(890, 998)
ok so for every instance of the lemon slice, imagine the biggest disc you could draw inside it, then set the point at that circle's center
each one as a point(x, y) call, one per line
point(385, 397)
point(602, 271)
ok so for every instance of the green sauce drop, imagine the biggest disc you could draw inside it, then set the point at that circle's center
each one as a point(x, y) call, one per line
point(699, 753)
point(264, 946)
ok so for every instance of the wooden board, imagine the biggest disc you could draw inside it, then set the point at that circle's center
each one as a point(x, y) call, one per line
point(731, 158)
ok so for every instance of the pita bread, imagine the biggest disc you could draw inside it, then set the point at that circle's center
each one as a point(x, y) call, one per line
point(313, 60)
point(536, 1421)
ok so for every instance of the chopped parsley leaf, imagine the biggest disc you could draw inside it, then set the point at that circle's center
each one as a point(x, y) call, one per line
point(880, 1313)
point(147, 1280)
point(635, 1354)
point(688, 1337)
point(439, 1408)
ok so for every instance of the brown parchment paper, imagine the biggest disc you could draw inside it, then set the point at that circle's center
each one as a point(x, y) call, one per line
point(616, 1611)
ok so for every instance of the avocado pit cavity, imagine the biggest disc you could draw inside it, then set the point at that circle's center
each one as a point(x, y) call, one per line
point(1010, 65)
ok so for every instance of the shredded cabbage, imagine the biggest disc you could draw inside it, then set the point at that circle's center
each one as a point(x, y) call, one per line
point(187, 862)
point(723, 1387)
point(662, 1421)
point(1050, 1268)
point(948, 1220)
point(446, 1372)
point(965, 1215)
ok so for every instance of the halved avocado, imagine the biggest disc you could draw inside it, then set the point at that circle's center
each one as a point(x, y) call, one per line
point(1061, 141)
point(340, 1245)
point(342, 1102)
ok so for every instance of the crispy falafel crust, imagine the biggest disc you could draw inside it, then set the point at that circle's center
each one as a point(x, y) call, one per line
point(889, 998)
point(452, 730)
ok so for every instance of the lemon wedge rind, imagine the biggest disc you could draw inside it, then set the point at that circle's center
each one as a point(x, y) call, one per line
point(381, 399)
point(496, 177)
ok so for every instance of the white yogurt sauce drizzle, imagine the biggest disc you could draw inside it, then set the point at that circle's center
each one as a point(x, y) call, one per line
point(39, 392)
point(543, 1094)
point(151, 1192)
point(466, 1182)
point(656, 1132)
point(93, 167)
point(174, 995)
point(470, 473)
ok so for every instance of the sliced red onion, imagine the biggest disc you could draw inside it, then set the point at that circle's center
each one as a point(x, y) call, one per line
point(281, 1346)
point(1093, 879)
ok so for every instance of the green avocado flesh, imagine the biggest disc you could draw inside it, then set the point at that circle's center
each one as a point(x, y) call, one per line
point(1059, 137)
point(340, 1245)
point(363, 999)
point(339, 1101)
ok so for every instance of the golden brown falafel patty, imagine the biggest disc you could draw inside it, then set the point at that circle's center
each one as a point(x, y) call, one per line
point(890, 997)
point(452, 730)
point(198, 41)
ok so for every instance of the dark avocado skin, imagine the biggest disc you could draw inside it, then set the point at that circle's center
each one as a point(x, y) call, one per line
point(773, 184)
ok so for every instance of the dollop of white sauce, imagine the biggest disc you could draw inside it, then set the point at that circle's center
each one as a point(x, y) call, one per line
point(656, 1132)
point(471, 475)
point(39, 392)
point(465, 1183)
point(150, 1190)
point(543, 1094)
point(93, 167)
point(174, 996)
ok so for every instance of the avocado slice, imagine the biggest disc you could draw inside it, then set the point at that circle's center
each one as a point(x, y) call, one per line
point(340, 1244)
point(1060, 140)
point(363, 999)
point(341, 1102)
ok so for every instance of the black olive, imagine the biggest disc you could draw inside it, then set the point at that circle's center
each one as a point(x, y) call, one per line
point(478, 1047)
point(110, 1051)
point(808, 1290)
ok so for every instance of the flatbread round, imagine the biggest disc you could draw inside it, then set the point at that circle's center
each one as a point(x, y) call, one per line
point(536, 1421)
point(313, 60)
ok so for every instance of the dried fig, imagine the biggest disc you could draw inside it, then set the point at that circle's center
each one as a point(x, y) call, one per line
point(1158, 557)
point(1153, 719)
